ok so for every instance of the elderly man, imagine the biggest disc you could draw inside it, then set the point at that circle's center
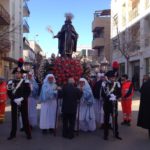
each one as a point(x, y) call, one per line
point(71, 96)
point(3, 98)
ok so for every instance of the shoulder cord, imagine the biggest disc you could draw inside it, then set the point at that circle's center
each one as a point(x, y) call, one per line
point(18, 85)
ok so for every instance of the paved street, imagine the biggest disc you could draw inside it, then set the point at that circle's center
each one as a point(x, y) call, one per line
point(134, 138)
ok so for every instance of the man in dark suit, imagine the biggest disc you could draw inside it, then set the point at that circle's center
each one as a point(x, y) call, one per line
point(71, 96)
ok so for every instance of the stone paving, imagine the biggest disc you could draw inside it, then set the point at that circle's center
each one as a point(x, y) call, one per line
point(134, 138)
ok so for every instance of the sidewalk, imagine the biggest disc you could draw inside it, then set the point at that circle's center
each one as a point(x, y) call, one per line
point(136, 95)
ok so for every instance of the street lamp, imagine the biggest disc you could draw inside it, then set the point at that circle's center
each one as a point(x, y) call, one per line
point(104, 64)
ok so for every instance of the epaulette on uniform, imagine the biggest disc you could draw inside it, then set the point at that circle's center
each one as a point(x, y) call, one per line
point(10, 81)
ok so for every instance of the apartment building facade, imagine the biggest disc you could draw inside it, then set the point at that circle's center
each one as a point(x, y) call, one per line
point(17, 12)
point(130, 37)
point(5, 45)
point(38, 54)
point(101, 35)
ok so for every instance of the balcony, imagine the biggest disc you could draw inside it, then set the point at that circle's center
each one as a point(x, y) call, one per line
point(98, 42)
point(147, 4)
point(4, 16)
point(26, 11)
point(25, 26)
point(134, 13)
point(101, 19)
point(5, 46)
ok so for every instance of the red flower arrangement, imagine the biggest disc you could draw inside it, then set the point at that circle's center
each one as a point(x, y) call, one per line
point(66, 67)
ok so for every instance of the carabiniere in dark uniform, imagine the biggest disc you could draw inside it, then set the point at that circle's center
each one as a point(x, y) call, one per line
point(18, 92)
point(111, 92)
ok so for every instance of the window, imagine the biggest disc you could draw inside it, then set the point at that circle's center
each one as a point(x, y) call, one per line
point(115, 43)
point(148, 66)
point(122, 69)
point(99, 33)
point(100, 51)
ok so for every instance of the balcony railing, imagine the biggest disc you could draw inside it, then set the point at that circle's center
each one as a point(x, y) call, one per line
point(134, 13)
point(4, 16)
point(147, 4)
point(98, 42)
point(25, 26)
point(26, 11)
point(4, 46)
point(147, 42)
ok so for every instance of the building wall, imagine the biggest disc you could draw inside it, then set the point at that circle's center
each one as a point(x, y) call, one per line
point(104, 41)
point(4, 66)
point(133, 20)
point(16, 11)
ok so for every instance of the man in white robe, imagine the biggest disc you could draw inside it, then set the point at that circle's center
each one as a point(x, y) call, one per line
point(48, 99)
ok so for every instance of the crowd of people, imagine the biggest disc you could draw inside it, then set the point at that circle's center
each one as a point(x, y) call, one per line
point(80, 106)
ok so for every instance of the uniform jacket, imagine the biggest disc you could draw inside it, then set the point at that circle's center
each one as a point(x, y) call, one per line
point(23, 91)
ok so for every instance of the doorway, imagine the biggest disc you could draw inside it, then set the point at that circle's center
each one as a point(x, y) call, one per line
point(136, 74)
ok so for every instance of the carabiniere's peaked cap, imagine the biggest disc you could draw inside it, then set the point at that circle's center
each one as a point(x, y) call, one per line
point(18, 69)
point(110, 74)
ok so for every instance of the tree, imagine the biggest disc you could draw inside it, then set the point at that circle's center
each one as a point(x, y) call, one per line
point(128, 41)
point(6, 34)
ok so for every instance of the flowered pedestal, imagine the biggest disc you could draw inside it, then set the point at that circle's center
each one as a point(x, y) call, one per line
point(63, 68)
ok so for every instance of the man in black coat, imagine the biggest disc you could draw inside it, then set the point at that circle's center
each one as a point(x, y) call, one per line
point(18, 92)
point(71, 96)
point(144, 109)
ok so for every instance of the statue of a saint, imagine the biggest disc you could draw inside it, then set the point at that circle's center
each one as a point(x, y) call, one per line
point(67, 38)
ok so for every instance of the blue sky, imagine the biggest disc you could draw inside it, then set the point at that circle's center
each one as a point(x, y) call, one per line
point(51, 12)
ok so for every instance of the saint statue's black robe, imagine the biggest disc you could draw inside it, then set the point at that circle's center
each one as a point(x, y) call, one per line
point(67, 39)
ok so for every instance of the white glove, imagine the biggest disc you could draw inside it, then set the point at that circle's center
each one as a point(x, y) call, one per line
point(18, 100)
point(112, 97)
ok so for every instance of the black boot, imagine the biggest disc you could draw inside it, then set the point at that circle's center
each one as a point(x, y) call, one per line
point(149, 133)
point(44, 131)
point(11, 137)
point(128, 123)
point(105, 137)
point(118, 137)
point(21, 129)
point(124, 122)
point(29, 137)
